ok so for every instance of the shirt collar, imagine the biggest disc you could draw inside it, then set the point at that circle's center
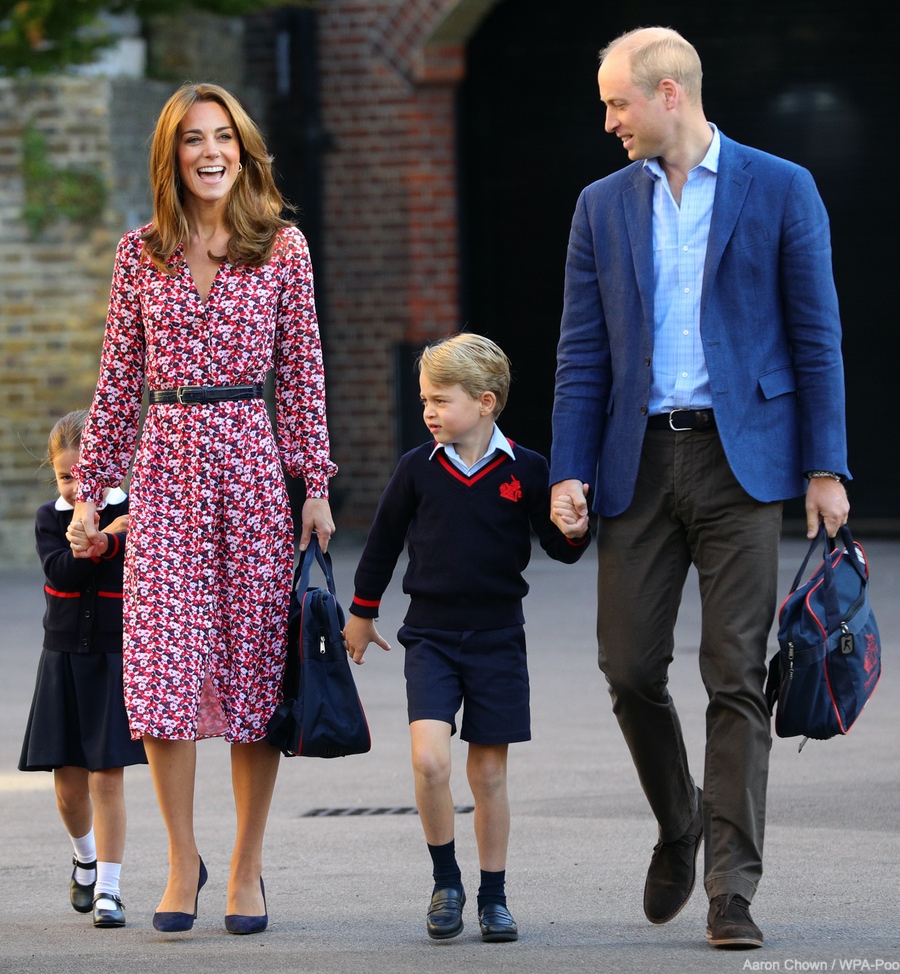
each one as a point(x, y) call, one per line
point(498, 442)
point(709, 162)
point(114, 495)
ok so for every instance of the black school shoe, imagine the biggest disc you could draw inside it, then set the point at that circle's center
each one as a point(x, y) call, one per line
point(730, 925)
point(444, 919)
point(108, 916)
point(497, 924)
point(82, 897)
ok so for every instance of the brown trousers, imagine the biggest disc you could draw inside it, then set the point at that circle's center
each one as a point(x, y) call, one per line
point(688, 508)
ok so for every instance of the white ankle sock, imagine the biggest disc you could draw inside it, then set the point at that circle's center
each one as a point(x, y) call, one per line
point(85, 847)
point(108, 878)
point(85, 851)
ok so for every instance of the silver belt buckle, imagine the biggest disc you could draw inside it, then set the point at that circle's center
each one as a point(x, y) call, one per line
point(678, 429)
point(181, 390)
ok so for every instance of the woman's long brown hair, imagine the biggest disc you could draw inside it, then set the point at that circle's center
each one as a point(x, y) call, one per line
point(254, 205)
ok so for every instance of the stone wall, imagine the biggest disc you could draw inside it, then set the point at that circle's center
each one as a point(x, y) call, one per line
point(54, 286)
point(389, 73)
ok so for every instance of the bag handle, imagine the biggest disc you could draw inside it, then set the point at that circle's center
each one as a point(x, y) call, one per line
point(301, 573)
point(829, 546)
point(832, 604)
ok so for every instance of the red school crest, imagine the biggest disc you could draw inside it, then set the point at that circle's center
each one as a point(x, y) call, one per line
point(511, 491)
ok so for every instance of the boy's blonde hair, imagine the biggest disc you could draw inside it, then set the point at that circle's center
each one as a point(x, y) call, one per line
point(471, 361)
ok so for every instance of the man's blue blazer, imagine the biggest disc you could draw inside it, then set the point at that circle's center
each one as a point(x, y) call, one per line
point(769, 325)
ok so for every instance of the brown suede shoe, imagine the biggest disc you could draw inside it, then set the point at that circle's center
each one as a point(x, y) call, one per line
point(673, 871)
point(730, 925)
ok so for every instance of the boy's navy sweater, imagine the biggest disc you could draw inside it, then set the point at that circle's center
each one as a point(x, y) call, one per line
point(84, 595)
point(469, 539)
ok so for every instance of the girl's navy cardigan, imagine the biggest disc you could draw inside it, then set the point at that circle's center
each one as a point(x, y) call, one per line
point(84, 596)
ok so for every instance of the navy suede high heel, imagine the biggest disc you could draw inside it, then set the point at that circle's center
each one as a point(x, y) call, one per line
point(238, 923)
point(177, 922)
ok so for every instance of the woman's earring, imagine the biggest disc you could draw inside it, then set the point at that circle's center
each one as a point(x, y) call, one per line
point(240, 167)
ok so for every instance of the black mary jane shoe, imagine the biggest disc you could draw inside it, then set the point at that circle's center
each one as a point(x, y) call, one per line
point(444, 919)
point(241, 924)
point(104, 916)
point(82, 896)
point(497, 924)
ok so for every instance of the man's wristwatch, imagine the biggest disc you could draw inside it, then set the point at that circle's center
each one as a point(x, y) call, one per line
point(816, 474)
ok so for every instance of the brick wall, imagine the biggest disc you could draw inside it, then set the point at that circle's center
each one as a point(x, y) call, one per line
point(389, 72)
point(390, 223)
point(54, 289)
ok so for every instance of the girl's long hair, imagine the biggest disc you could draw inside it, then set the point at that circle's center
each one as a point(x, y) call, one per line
point(66, 434)
point(254, 205)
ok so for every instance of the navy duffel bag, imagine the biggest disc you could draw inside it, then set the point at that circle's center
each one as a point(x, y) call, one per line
point(829, 661)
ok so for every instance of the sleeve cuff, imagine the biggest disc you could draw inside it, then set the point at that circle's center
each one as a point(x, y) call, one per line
point(115, 545)
point(365, 608)
point(580, 542)
point(89, 491)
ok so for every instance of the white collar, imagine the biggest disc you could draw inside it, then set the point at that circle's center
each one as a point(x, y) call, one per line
point(115, 495)
point(498, 442)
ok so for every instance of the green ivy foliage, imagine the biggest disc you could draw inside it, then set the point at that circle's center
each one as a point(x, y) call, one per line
point(42, 36)
point(53, 193)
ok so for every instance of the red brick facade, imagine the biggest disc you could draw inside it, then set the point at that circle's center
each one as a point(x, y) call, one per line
point(389, 71)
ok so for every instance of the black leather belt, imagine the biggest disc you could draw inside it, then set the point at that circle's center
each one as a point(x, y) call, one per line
point(683, 419)
point(185, 395)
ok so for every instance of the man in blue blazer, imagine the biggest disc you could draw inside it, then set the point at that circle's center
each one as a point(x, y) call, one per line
point(699, 384)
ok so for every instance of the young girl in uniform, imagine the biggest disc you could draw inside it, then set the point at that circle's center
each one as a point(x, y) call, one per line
point(77, 727)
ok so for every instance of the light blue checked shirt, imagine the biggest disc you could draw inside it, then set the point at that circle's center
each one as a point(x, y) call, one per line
point(680, 379)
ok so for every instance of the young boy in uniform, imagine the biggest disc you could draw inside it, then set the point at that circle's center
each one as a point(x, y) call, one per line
point(466, 504)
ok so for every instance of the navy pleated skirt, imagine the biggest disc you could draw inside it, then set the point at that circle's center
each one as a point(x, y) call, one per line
point(78, 715)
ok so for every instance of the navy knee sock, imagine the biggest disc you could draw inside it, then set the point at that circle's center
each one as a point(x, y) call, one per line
point(492, 889)
point(446, 870)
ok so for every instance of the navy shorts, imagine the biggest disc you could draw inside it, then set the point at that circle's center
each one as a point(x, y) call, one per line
point(484, 671)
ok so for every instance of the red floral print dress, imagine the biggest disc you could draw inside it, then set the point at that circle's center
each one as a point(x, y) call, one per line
point(210, 546)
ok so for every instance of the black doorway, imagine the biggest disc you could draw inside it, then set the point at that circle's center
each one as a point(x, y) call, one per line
point(804, 80)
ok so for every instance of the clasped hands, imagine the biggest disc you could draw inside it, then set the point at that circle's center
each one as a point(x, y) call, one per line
point(84, 535)
point(569, 507)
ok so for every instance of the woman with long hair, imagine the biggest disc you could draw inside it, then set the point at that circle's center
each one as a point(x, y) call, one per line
point(205, 300)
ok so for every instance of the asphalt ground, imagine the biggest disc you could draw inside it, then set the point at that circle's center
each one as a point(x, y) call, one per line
point(347, 892)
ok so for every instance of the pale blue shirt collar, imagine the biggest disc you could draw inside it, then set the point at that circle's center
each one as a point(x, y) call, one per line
point(710, 161)
point(497, 442)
